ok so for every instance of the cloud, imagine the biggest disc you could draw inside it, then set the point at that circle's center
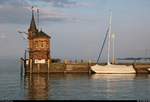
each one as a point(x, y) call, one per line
point(58, 3)
point(63, 3)
point(13, 11)
point(49, 14)
point(17, 3)
point(2, 36)
point(19, 11)
point(3, 1)
point(10, 13)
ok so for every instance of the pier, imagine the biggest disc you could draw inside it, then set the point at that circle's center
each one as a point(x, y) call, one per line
point(79, 67)
point(48, 67)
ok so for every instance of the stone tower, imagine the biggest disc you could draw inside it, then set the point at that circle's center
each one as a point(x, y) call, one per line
point(39, 43)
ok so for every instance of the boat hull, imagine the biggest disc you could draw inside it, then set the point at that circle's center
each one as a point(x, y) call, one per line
point(113, 69)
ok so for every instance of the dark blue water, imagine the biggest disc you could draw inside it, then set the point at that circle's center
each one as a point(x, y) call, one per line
point(70, 86)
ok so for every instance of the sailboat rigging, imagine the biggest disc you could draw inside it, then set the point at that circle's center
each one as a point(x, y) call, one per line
point(111, 68)
point(102, 47)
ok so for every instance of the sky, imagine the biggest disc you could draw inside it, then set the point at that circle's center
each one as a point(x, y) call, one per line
point(77, 27)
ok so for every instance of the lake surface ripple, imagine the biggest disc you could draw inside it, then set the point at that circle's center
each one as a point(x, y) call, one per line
point(70, 86)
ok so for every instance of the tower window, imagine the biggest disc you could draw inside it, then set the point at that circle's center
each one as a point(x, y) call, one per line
point(42, 45)
point(36, 44)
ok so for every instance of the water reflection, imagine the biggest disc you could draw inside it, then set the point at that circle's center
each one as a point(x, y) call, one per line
point(49, 86)
point(113, 76)
point(124, 86)
point(115, 84)
point(142, 76)
point(36, 86)
point(86, 87)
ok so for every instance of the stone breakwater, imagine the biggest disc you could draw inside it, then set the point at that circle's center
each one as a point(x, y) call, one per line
point(76, 68)
point(58, 68)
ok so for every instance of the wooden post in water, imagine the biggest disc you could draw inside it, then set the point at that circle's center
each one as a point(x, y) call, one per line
point(89, 66)
point(21, 70)
point(25, 58)
point(48, 65)
point(65, 68)
point(25, 65)
point(30, 81)
point(38, 66)
point(30, 65)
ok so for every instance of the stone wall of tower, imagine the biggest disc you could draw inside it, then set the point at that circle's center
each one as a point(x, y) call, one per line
point(41, 48)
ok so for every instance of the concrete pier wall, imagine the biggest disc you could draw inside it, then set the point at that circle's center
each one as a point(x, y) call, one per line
point(58, 68)
point(142, 68)
point(75, 68)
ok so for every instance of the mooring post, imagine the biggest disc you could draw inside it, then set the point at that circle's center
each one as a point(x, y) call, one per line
point(48, 65)
point(25, 59)
point(38, 66)
point(21, 69)
point(30, 65)
point(89, 65)
point(65, 65)
point(25, 66)
point(30, 81)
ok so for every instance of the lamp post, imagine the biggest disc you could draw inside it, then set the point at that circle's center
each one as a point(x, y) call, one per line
point(26, 50)
point(25, 53)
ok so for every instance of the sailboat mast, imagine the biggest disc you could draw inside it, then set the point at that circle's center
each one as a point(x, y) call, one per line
point(113, 48)
point(38, 18)
point(109, 36)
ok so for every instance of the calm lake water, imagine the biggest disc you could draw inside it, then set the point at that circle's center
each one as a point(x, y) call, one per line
point(70, 86)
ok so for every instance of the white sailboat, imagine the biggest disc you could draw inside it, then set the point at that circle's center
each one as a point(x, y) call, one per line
point(111, 68)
